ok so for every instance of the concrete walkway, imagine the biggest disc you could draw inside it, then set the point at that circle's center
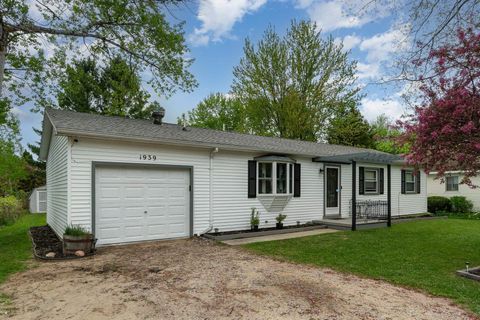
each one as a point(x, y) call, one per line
point(237, 242)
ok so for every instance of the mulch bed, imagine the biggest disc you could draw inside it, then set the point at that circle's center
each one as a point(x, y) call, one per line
point(298, 226)
point(45, 240)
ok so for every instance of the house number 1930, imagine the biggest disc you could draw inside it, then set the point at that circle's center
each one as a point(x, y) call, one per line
point(148, 157)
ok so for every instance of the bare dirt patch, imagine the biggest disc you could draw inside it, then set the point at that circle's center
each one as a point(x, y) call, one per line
point(197, 279)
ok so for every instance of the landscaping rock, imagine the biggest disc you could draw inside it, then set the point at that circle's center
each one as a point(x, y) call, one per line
point(80, 253)
point(50, 255)
point(154, 269)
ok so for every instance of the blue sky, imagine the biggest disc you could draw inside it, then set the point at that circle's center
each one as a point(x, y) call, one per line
point(215, 31)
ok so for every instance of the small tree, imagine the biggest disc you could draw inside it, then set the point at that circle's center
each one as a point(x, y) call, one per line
point(444, 132)
point(219, 112)
point(112, 90)
point(293, 85)
point(351, 129)
point(385, 136)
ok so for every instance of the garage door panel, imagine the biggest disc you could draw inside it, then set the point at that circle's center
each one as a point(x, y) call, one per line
point(123, 194)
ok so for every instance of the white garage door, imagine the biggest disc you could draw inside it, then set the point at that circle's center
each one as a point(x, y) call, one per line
point(137, 204)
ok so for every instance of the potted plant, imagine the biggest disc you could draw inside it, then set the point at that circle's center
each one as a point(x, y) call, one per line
point(77, 238)
point(280, 219)
point(254, 219)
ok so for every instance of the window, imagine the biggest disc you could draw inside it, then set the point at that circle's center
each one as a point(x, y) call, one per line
point(371, 180)
point(452, 183)
point(264, 178)
point(275, 178)
point(281, 178)
point(410, 182)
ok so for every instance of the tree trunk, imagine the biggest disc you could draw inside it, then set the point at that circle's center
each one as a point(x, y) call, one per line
point(3, 52)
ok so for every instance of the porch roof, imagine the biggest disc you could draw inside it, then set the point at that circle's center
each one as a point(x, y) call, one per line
point(361, 157)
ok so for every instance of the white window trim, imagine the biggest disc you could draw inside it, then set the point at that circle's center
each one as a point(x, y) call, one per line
point(274, 179)
point(415, 181)
point(446, 183)
point(377, 181)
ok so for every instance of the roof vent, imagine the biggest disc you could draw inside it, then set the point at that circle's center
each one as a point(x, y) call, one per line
point(158, 115)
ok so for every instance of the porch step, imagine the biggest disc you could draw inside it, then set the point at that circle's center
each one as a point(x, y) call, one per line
point(243, 235)
point(347, 225)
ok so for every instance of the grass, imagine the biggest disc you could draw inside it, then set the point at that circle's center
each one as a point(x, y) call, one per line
point(15, 246)
point(421, 254)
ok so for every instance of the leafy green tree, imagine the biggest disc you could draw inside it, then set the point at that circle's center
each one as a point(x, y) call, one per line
point(39, 38)
point(12, 169)
point(351, 129)
point(113, 90)
point(292, 86)
point(220, 112)
point(386, 136)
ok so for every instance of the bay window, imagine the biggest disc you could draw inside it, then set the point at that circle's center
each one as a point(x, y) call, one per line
point(275, 178)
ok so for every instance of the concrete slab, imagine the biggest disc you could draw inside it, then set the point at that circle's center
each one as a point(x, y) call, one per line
point(237, 242)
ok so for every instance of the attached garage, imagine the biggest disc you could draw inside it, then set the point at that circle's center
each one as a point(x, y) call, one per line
point(141, 202)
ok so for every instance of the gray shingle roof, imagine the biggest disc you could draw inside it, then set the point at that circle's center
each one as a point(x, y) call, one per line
point(83, 124)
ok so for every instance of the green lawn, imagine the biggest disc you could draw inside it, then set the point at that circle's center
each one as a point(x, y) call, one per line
point(15, 245)
point(421, 254)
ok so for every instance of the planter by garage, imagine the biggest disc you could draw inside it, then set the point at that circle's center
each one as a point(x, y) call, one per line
point(71, 244)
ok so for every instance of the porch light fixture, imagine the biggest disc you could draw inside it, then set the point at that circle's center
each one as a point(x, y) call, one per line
point(321, 171)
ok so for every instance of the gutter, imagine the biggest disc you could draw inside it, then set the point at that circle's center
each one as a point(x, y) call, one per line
point(210, 204)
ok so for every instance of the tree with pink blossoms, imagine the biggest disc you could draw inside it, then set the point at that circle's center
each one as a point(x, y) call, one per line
point(444, 131)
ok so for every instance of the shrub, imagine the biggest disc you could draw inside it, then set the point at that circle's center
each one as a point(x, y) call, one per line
point(10, 209)
point(461, 204)
point(255, 218)
point(437, 204)
point(75, 231)
point(280, 217)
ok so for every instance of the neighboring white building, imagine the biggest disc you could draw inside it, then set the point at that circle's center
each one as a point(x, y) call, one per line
point(452, 187)
point(133, 180)
point(37, 202)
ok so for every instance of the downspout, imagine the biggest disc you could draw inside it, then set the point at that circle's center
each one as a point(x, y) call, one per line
point(210, 204)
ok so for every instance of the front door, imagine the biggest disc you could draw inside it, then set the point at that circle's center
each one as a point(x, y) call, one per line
point(332, 191)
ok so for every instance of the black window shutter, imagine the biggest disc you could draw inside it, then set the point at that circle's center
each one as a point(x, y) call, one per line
point(418, 181)
point(403, 181)
point(296, 179)
point(381, 183)
point(252, 178)
point(361, 179)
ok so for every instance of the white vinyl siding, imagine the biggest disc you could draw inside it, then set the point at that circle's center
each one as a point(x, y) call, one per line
point(57, 184)
point(87, 150)
point(402, 204)
point(232, 207)
point(409, 203)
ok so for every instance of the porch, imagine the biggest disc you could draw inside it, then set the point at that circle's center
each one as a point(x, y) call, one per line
point(362, 213)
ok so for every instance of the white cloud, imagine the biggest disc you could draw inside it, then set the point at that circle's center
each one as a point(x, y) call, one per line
point(368, 71)
point(351, 41)
point(338, 14)
point(382, 45)
point(372, 108)
point(218, 18)
point(332, 15)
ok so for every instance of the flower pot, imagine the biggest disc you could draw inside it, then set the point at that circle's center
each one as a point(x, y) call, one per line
point(71, 244)
point(279, 225)
point(255, 228)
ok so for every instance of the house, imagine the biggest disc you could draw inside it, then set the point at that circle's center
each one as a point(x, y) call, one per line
point(132, 180)
point(37, 202)
point(450, 186)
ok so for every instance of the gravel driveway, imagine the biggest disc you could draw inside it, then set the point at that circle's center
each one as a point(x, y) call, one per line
point(197, 279)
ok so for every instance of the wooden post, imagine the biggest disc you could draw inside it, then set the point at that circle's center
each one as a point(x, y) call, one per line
point(354, 195)
point(389, 195)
